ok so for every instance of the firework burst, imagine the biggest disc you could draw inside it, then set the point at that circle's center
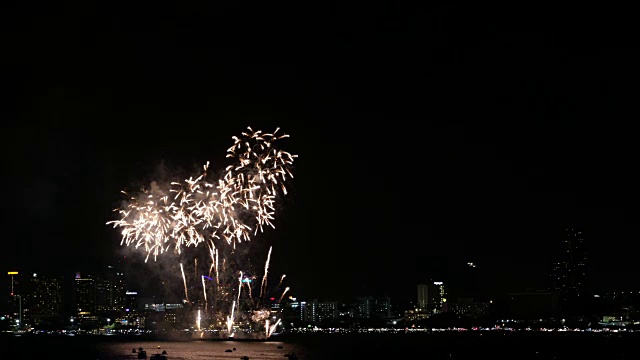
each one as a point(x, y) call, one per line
point(194, 210)
point(222, 213)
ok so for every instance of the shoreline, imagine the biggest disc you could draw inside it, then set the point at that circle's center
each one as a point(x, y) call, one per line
point(293, 337)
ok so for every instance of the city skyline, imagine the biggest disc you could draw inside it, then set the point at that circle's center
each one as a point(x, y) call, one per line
point(567, 277)
point(415, 160)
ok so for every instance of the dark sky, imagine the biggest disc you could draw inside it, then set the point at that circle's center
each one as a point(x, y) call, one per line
point(428, 137)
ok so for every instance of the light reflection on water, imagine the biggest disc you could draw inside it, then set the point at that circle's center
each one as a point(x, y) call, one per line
point(200, 350)
point(316, 347)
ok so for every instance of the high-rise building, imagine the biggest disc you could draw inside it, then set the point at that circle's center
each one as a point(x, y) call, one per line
point(470, 308)
point(369, 307)
point(432, 297)
point(423, 296)
point(437, 300)
point(132, 302)
point(568, 271)
point(296, 311)
point(84, 295)
point(12, 306)
point(319, 311)
point(131, 316)
point(45, 298)
point(110, 291)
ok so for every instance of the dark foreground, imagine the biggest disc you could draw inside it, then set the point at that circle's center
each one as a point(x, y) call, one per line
point(366, 346)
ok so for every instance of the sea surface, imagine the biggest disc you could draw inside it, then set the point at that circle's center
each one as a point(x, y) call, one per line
point(317, 346)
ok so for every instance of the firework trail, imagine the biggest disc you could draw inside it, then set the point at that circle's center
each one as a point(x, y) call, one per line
point(239, 286)
point(186, 293)
point(204, 292)
point(230, 319)
point(212, 253)
point(249, 290)
point(264, 277)
point(281, 278)
point(232, 302)
point(282, 296)
point(270, 328)
point(216, 266)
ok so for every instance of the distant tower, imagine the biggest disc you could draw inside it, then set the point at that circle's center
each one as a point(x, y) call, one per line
point(132, 301)
point(437, 302)
point(569, 273)
point(110, 292)
point(45, 298)
point(84, 295)
point(423, 296)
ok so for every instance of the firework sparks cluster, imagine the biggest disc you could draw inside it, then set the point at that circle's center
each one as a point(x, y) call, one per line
point(222, 213)
point(198, 209)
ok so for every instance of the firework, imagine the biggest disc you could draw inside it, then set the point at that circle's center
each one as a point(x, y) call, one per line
point(199, 208)
point(184, 279)
point(270, 327)
point(222, 213)
point(264, 277)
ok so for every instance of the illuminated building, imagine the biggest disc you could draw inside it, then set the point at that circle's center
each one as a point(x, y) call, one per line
point(84, 295)
point(423, 296)
point(311, 311)
point(295, 311)
point(369, 307)
point(131, 317)
point(110, 292)
point(160, 304)
point(131, 301)
point(171, 316)
point(14, 305)
point(568, 272)
point(320, 311)
point(45, 298)
point(470, 308)
point(437, 300)
point(84, 301)
point(416, 314)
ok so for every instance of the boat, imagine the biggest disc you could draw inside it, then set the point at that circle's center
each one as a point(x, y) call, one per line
point(158, 357)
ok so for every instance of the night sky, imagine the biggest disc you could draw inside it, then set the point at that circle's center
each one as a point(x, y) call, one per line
point(427, 137)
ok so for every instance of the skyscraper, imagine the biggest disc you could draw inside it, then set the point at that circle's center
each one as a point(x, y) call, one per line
point(84, 295)
point(110, 292)
point(569, 273)
point(432, 297)
point(423, 296)
point(45, 298)
point(437, 297)
point(12, 301)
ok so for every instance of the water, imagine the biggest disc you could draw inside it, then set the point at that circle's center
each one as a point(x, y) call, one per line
point(202, 350)
point(315, 347)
